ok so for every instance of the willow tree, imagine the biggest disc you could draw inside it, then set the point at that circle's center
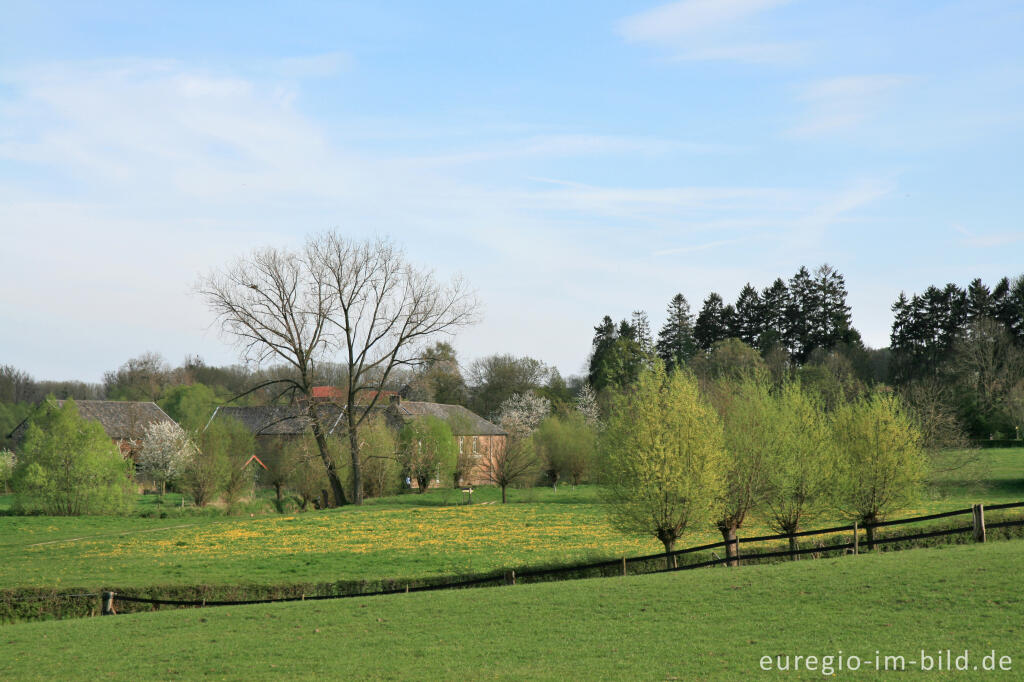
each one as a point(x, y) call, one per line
point(360, 305)
point(801, 471)
point(663, 456)
point(745, 406)
point(880, 464)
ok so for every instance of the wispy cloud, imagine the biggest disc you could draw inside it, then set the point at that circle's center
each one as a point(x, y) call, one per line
point(844, 103)
point(568, 145)
point(704, 30)
point(988, 241)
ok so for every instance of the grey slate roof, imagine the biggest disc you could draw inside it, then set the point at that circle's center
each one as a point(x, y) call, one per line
point(280, 420)
point(463, 422)
point(121, 419)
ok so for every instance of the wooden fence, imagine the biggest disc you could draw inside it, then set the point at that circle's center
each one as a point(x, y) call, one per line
point(845, 540)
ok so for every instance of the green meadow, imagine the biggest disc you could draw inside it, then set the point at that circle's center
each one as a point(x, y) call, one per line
point(713, 623)
point(403, 538)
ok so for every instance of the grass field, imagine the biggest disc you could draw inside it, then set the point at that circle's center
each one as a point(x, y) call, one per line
point(702, 624)
point(409, 536)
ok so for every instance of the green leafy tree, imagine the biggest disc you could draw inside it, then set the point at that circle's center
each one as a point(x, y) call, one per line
point(190, 405)
point(68, 466)
point(566, 444)
point(880, 463)
point(745, 407)
point(439, 378)
point(305, 474)
point(801, 459)
point(730, 359)
point(496, 378)
point(427, 450)
point(381, 468)
point(218, 465)
point(662, 451)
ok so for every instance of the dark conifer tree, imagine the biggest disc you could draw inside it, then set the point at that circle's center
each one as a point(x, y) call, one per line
point(748, 320)
point(675, 340)
point(773, 315)
point(642, 331)
point(712, 322)
point(801, 302)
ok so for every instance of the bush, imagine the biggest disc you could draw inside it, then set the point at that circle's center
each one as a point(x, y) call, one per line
point(69, 467)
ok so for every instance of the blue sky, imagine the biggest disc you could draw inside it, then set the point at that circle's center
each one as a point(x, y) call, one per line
point(571, 160)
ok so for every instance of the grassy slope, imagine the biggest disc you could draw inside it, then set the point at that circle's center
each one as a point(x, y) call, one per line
point(709, 623)
point(407, 536)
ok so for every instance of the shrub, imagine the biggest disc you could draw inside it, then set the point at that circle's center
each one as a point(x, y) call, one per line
point(68, 466)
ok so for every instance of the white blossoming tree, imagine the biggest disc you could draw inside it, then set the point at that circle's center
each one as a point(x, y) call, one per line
point(519, 416)
point(7, 463)
point(166, 450)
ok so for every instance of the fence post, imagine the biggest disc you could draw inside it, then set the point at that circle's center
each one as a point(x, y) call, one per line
point(107, 604)
point(623, 567)
point(979, 522)
point(856, 539)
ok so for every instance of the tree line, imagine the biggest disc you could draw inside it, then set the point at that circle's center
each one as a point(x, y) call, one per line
point(962, 350)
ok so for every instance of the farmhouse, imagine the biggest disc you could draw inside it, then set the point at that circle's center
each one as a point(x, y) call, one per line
point(273, 425)
point(124, 421)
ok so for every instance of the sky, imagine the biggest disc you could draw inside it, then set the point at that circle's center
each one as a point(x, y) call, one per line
point(570, 160)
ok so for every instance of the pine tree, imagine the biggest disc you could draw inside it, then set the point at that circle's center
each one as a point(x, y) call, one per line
point(979, 300)
point(800, 303)
point(829, 317)
point(712, 322)
point(748, 321)
point(773, 312)
point(675, 340)
point(642, 331)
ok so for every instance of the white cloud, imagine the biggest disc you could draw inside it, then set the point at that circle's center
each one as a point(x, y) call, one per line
point(705, 30)
point(844, 103)
point(142, 174)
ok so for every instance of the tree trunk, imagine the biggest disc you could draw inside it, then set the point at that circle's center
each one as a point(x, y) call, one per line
point(871, 532)
point(423, 482)
point(670, 559)
point(729, 535)
point(332, 473)
point(163, 488)
point(357, 471)
point(504, 498)
point(793, 547)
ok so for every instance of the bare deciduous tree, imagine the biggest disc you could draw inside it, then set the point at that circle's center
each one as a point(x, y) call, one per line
point(275, 304)
point(360, 304)
point(386, 312)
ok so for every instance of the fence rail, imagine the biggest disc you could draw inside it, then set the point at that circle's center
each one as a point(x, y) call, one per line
point(977, 527)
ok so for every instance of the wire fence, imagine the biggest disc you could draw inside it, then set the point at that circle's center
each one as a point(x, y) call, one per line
point(644, 564)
